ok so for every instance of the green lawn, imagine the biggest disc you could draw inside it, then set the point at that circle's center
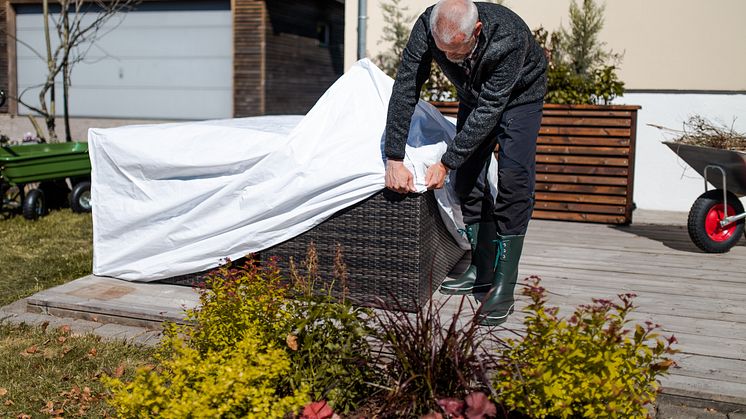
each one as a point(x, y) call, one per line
point(49, 373)
point(35, 255)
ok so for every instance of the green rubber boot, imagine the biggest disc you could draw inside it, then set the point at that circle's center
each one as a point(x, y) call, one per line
point(465, 282)
point(479, 274)
point(499, 302)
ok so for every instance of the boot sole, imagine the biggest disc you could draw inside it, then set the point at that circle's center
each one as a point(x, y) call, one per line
point(462, 291)
point(495, 320)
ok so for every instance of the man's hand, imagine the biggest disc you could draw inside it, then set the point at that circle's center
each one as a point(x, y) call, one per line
point(435, 176)
point(398, 177)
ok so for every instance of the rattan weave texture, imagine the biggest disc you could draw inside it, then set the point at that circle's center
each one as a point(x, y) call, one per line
point(395, 248)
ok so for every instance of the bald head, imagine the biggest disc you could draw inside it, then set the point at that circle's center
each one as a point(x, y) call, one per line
point(453, 21)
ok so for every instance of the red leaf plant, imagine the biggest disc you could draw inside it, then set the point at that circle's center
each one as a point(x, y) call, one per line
point(318, 410)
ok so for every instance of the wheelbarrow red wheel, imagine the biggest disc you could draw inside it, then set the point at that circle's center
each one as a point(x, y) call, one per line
point(704, 222)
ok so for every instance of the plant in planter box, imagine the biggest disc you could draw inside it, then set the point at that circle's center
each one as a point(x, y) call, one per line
point(593, 364)
point(580, 70)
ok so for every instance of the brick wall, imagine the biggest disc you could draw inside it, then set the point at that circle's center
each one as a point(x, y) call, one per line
point(298, 68)
point(249, 19)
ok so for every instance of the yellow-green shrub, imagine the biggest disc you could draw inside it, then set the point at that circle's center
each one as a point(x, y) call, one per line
point(586, 366)
point(229, 383)
point(317, 348)
point(236, 300)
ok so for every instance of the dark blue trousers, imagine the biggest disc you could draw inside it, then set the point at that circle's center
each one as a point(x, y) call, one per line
point(516, 133)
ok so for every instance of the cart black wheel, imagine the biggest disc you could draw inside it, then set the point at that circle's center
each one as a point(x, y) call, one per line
point(34, 205)
point(704, 222)
point(80, 197)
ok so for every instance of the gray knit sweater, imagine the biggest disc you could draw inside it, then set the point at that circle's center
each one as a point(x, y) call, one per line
point(509, 69)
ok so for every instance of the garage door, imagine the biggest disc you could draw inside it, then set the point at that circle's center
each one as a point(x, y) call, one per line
point(165, 60)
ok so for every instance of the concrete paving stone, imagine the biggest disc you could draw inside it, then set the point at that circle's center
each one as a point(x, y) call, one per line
point(33, 319)
point(151, 338)
point(18, 306)
point(677, 411)
point(119, 332)
point(83, 327)
point(737, 415)
point(5, 315)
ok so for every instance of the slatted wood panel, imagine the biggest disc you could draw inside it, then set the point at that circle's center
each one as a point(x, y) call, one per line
point(584, 162)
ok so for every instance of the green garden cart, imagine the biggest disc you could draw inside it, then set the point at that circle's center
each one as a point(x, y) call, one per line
point(36, 175)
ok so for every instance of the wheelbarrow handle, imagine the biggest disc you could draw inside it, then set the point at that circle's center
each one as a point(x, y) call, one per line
point(2, 97)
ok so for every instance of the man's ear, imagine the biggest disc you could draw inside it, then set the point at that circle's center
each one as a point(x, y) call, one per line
point(477, 29)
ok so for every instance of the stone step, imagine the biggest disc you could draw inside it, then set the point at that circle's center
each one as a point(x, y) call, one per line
point(109, 300)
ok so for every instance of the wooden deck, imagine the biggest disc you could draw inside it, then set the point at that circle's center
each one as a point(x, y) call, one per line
point(698, 297)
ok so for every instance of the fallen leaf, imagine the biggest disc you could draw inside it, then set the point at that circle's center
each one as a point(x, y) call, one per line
point(292, 342)
point(9, 402)
point(61, 339)
point(93, 352)
point(65, 350)
point(23, 416)
point(3, 391)
point(44, 326)
point(32, 349)
point(119, 371)
point(65, 329)
point(48, 409)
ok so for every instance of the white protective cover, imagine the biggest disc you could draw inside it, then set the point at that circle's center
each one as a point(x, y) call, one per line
point(178, 198)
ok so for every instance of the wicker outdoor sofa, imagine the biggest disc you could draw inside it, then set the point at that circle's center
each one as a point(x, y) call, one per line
point(396, 249)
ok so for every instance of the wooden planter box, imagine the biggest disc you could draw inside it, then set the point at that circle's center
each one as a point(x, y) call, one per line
point(584, 162)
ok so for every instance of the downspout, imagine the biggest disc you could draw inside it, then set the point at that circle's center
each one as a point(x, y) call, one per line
point(362, 6)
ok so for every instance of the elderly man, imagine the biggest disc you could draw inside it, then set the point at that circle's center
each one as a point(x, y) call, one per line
point(499, 72)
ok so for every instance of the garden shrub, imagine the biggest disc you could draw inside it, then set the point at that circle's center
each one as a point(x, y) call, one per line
point(236, 300)
point(232, 382)
point(589, 365)
point(329, 338)
point(430, 360)
point(247, 321)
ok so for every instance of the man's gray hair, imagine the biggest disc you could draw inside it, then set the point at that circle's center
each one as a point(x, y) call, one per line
point(450, 18)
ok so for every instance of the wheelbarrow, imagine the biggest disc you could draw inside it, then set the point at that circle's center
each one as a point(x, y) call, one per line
point(716, 219)
point(31, 174)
